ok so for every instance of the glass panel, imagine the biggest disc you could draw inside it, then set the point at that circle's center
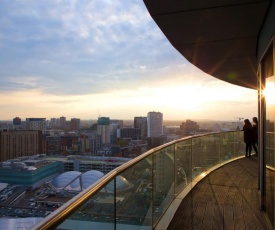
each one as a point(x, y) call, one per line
point(198, 156)
point(270, 150)
point(212, 150)
point(232, 145)
point(270, 118)
point(163, 181)
point(97, 212)
point(134, 196)
point(183, 165)
point(238, 144)
point(228, 146)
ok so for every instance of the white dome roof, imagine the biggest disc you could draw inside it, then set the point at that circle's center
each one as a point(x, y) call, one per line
point(66, 178)
point(121, 184)
point(90, 177)
point(71, 181)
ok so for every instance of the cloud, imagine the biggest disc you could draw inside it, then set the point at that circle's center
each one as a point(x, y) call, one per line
point(82, 53)
point(79, 47)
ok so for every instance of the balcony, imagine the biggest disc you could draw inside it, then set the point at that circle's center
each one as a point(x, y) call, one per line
point(228, 198)
point(178, 174)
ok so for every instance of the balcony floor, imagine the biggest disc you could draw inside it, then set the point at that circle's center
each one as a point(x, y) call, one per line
point(225, 199)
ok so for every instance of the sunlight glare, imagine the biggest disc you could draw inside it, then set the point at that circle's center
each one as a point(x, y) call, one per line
point(268, 92)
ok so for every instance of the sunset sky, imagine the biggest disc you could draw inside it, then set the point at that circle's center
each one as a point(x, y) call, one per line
point(86, 58)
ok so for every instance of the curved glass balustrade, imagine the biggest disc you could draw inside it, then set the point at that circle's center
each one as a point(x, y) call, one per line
point(270, 164)
point(137, 194)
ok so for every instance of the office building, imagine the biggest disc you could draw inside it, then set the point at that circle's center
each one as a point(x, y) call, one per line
point(17, 143)
point(36, 124)
point(103, 129)
point(129, 133)
point(62, 122)
point(75, 124)
point(141, 123)
point(95, 143)
point(27, 171)
point(154, 124)
point(53, 145)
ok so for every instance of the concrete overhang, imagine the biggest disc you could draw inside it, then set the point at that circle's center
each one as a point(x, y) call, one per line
point(220, 37)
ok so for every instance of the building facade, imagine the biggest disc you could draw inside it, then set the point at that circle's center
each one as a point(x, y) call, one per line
point(129, 133)
point(141, 123)
point(75, 124)
point(103, 129)
point(30, 173)
point(154, 124)
point(16, 123)
point(35, 123)
point(189, 127)
point(62, 122)
point(17, 143)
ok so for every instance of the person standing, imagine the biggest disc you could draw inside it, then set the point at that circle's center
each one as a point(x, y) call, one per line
point(255, 135)
point(247, 128)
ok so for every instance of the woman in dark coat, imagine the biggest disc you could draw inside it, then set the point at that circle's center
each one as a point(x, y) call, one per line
point(247, 129)
point(255, 135)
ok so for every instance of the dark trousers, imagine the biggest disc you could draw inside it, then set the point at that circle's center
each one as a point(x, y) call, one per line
point(248, 148)
point(255, 146)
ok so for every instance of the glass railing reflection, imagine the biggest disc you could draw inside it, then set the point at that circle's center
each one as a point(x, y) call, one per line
point(270, 178)
point(163, 180)
point(137, 195)
point(98, 211)
point(270, 150)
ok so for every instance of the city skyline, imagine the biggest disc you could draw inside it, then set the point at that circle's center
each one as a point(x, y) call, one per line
point(103, 58)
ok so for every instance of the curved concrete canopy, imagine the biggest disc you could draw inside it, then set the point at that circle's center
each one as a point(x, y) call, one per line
point(218, 36)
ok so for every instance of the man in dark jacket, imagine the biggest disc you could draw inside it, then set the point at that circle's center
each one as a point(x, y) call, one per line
point(247, 128)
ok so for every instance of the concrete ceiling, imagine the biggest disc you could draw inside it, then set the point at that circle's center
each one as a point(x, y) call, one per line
point(218, 36)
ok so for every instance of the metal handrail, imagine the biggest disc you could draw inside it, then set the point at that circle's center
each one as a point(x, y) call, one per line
point(58, 216)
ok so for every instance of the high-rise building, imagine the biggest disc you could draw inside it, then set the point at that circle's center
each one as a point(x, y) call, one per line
point(95, 143)
point(62, 122)
point(154, 124)
point(35, 123)
point(103, 129)
point(17, 143)
point(75, 124)
point(141, 123)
